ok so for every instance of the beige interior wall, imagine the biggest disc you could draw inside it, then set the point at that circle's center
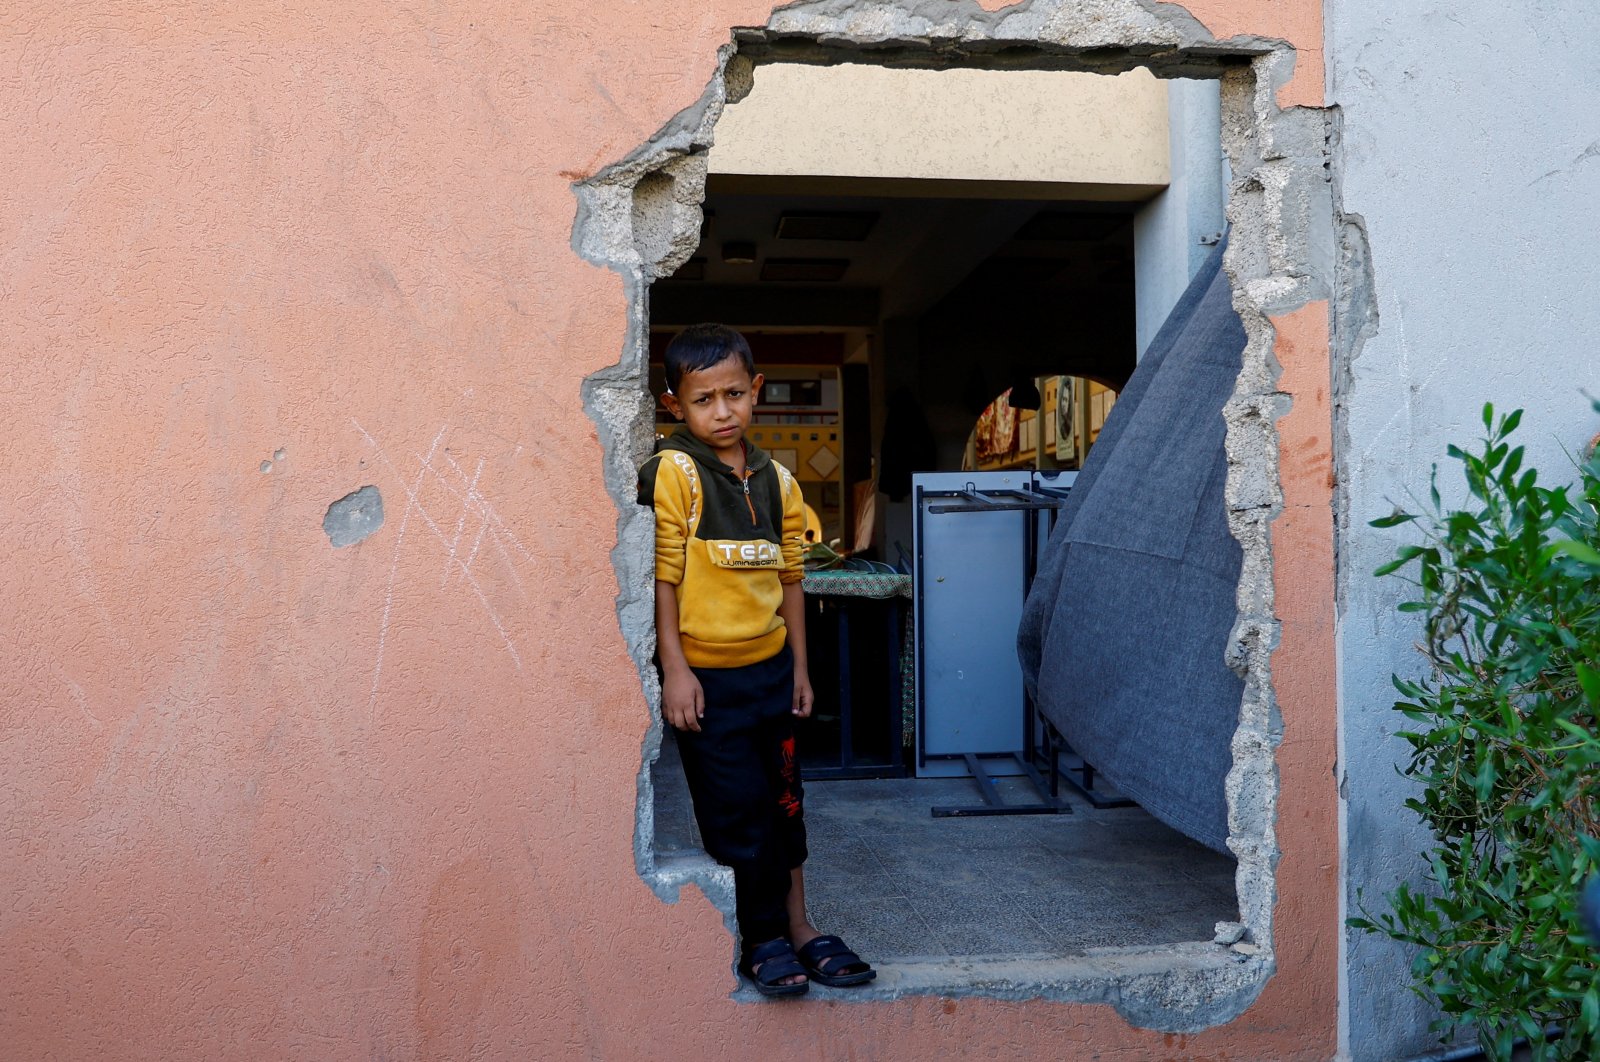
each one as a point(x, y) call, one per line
point(865, 121)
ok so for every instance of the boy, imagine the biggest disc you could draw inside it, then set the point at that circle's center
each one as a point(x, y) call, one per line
point(730, 641)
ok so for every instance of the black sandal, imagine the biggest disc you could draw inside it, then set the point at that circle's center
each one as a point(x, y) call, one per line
point(769, 964)
point(828, 961)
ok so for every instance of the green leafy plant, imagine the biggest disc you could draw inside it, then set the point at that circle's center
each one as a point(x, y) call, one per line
point(1505, 750)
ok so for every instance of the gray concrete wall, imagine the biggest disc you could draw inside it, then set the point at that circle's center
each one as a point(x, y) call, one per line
point(1470, 157)
point(1167, 231)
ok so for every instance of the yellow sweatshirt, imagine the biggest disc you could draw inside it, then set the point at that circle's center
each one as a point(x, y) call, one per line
point(727, 544)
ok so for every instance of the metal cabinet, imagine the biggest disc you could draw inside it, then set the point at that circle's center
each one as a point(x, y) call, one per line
point(977, 538)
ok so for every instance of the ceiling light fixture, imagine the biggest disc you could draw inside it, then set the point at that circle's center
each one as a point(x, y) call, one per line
point(1073, 226)
point(843, 225)
point(812, 270)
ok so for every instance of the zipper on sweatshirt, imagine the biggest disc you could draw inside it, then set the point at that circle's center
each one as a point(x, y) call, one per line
point(744, 481)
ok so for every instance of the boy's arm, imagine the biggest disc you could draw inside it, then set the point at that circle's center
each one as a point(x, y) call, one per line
point(793, 611)
point(683, 702)
point(793, 608)
point(664, 488)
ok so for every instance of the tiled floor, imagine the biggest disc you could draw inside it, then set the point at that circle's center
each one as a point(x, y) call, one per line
point(901, 885)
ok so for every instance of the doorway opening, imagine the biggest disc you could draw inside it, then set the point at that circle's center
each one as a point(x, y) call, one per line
point(847, 329)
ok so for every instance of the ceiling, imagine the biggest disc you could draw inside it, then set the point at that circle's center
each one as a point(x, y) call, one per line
point(917, 251)
point(967, 295)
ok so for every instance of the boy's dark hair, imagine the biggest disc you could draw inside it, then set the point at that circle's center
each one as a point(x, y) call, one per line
point(702, 346)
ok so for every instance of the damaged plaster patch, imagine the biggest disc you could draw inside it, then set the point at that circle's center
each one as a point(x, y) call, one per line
point(641, 217)
point(1355, 320)
point(354, 517)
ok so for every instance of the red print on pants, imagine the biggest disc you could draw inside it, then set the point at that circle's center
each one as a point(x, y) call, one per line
point(786, 799)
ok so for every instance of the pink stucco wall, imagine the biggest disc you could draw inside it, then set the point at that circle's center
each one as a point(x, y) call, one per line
point(268, 799)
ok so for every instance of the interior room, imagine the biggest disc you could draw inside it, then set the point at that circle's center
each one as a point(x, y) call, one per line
point(944, 339)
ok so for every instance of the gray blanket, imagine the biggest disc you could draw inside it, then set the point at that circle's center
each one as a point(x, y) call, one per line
point(1124, 630)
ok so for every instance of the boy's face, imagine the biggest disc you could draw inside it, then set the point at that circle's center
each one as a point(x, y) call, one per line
point(716, 403)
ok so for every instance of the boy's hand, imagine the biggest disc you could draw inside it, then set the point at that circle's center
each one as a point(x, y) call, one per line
point(803, 698)
point(683, 702)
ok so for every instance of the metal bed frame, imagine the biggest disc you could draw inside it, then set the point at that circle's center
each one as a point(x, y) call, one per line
point(1043, 749)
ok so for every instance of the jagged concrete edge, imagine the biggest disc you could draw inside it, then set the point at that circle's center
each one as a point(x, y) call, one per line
point(1133, 981)
point(602, 234)
point(1282, 218)
point(1279, 259)
point(1355, 319)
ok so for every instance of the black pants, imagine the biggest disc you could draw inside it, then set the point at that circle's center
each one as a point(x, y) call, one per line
point(746, 787)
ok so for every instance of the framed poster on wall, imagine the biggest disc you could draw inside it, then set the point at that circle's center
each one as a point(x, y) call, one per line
point(1066, 431)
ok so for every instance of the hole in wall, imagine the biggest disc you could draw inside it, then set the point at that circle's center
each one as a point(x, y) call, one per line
point(643, 217)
